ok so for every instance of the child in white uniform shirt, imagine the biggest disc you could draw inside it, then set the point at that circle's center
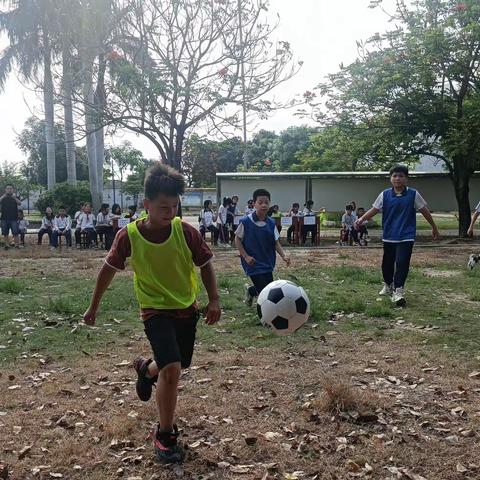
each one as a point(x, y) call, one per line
point(85, 224)
point(207, 221)
point(104, 226)
point(62, 225)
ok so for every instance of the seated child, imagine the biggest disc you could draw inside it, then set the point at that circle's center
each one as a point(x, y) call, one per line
point(62, 225)
point(46, 227)
point(362, 229)
point(308, 212)
point(348, 230)
point(86, 226)
point(104, 226)
point(132, 213)
point(22, 226)
point(207, 219)
point(294, 212)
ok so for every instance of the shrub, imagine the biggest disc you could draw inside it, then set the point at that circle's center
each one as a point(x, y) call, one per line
point(65, 194)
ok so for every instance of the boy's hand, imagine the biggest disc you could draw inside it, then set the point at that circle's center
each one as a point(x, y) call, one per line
point(358, 223)
point(250, 260)
point(470, 232)
point(287, 260)
point(435, 233)
point(212, 312)
point(90, 316)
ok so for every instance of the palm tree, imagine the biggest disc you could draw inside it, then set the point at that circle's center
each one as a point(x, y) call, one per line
point(27, 27)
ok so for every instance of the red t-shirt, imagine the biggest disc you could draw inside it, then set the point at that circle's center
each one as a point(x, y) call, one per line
point(122, 249)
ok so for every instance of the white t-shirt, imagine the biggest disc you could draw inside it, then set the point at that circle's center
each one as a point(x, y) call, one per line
point(307, 212)
point(349, 220)
point(419, 201)
point(62, 223)
point(104, 219)
point(477, 208)
point(248, 211)
point(85, 221)
point(222, 215)
point(206, 218)
point(240, 231)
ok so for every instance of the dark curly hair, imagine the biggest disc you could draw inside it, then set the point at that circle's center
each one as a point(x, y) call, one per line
point(163, 179)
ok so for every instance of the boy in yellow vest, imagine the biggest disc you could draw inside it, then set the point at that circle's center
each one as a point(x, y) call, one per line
point(163, 252)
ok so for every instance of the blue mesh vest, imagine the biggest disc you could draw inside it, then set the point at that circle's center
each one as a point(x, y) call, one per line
point(259, 243)
point(399, 219)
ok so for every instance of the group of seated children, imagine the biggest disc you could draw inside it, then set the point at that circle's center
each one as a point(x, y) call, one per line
point(87, 225)
point(350, 234)
point(223, 224)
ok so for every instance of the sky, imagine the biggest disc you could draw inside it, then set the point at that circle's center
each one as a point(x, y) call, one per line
point(322, 34)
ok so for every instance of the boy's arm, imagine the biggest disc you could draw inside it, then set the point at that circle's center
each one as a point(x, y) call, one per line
point(243, 253)
point(366, 217)
point(213, 310)
point(105, 277)
point(472, 223)
point(428, 217)
point(281, 252)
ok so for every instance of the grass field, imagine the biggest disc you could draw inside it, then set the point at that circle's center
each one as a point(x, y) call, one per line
point(363, 390)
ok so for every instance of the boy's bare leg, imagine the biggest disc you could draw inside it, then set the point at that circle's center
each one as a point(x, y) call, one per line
point(16, 240)
point(166, 392)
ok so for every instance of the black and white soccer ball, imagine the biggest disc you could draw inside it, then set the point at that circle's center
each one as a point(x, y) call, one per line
point(283, 306)
point(473, 260)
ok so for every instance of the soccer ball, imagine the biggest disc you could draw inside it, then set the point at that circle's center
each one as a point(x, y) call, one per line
point(283, 306)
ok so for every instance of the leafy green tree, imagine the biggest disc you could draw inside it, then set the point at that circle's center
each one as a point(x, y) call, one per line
point(338, 148)
point(287, 145)
point(31, 141)
point(66, 195)
point(28, 25)
point(418, 87)
point(204, 158)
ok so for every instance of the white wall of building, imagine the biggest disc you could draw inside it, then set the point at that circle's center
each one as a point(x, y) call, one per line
point(333, 191)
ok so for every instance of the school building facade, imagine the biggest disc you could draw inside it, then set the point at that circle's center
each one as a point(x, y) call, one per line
point(333, 190)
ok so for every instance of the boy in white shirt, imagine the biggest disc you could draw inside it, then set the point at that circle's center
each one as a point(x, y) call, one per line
point(104, 226)
point(62, 225)
point(22, 227)
point(86, 225)
point(207, 220)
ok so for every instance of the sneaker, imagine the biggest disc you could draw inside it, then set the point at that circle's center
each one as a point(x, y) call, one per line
point(398, 297)
point(386, 290)
point(166, 447)
point(248, 297)
point(144, 384)
point(472, 261)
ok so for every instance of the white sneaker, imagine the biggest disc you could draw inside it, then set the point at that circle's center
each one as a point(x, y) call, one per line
point(387, 289)
point(248, 298)
point(398, 297)
point(472, 261)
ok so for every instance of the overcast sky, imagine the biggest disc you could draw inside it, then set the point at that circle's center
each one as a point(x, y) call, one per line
point(322, 34)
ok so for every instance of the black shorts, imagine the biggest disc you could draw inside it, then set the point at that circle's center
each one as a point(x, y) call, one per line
point(172, 339)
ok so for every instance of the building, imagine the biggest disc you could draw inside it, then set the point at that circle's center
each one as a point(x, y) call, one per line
point(333, 190)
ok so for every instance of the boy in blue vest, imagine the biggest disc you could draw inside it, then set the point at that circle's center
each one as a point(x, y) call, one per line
point(163, 253)
point(399, 206)
point(257, 240)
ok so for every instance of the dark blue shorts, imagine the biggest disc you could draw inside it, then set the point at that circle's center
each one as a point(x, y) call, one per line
point(8, 225)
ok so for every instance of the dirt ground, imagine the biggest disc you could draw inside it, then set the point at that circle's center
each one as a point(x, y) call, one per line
point(346, 407)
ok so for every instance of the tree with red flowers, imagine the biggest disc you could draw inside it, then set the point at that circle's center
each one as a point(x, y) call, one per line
point(414, 91)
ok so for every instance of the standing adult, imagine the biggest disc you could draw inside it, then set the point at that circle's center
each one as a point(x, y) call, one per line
point(9, 204)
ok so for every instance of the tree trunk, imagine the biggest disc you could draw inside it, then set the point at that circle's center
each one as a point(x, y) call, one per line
point(88, 98)
point(49, 117)
point(100, 104)
point(461, 183)
point(68, 118)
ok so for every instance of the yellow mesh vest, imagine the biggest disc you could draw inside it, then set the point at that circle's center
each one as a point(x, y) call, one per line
point(164, 273)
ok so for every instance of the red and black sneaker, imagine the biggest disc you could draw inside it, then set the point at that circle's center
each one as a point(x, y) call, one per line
point(166, 447)
point(144, 384)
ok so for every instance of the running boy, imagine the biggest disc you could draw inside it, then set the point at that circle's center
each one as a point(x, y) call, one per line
point(163, 252)
point(399, 206)
point(257, 240)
